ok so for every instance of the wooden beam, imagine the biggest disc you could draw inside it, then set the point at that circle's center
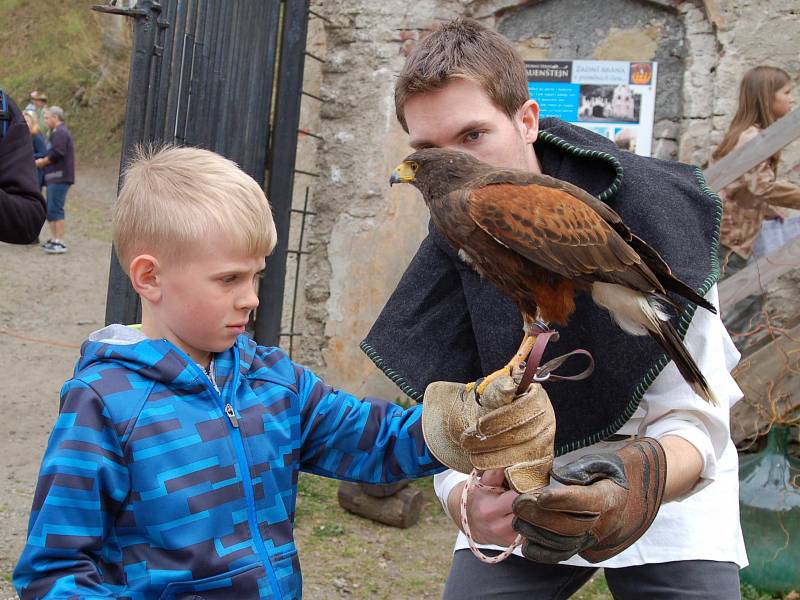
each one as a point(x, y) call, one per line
point(399, 510)
point(765, 144)
point(754, 278)
point(713, 14)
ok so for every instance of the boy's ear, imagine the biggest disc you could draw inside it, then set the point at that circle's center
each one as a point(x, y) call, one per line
point(528, 119)
point(145, 277)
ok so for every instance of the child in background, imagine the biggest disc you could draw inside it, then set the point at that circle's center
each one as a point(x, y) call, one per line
point(172, 469)
point(765, 95)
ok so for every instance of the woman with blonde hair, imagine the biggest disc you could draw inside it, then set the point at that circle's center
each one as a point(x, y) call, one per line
point(765, 95)
point(38, 141)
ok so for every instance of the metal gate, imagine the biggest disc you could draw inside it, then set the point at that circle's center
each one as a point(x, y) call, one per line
point(225, 75)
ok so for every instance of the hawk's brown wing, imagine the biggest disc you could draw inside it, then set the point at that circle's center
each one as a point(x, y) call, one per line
point(559, 232)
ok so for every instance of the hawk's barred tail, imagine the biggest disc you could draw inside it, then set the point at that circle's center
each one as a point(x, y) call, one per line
point(638, 313)
point(668, 339)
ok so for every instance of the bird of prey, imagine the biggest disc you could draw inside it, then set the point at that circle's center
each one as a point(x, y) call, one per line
point(541, 240)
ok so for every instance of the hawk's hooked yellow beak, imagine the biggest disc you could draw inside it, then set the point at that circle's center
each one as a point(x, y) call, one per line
point(404, 173)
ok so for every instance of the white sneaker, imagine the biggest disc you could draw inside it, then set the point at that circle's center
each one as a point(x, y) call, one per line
point(55, 248)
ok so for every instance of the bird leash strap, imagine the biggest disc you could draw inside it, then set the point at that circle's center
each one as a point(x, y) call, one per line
point(535, 372)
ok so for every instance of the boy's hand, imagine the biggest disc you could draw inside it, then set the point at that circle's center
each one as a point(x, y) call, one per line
point(489, 509)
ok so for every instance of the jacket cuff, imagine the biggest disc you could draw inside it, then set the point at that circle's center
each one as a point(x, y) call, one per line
point(443, 484)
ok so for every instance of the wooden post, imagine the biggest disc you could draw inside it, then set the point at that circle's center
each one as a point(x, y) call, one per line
point(382, 490)
point(754, 278)
point(399, 510)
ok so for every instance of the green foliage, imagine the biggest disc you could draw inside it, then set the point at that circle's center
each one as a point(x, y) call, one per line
point(9, 5)
point(57, 48)
point(329, 530)
point(594, 589)
point(750, 592)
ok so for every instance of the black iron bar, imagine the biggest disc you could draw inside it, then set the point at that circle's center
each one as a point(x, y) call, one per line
point(307, 132)
point(310, 95)
point(162, 78)
point(122, 302)
point(314, 56)
point(319, 16)
point(281, 164)
point(198, 47)
point(299, 253)
point(309, 173)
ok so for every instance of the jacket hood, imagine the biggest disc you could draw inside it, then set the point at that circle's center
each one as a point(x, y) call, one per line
point(162, 361)
point(157, 360)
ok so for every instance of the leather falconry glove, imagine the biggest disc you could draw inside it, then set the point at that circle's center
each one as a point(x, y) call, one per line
point(502, 430)
point(607, 503)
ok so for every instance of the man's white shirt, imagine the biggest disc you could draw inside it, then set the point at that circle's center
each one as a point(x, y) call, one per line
point(704, 523)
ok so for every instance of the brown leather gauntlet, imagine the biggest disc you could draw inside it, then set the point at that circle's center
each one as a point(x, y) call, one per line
point(607, 503)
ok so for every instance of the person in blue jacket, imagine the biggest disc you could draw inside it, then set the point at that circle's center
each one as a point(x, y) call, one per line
point(171, 471)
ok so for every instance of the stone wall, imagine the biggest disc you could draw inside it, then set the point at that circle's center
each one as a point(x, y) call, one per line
point(364, 233)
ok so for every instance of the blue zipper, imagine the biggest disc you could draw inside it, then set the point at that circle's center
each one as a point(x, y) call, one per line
point(238, 443)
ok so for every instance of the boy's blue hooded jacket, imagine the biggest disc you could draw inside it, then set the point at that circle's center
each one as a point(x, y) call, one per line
point(150, 489)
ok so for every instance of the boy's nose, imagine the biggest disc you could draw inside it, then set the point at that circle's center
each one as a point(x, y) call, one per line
point(248, 300)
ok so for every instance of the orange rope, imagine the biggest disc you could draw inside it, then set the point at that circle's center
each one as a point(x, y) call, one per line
point(19, 336)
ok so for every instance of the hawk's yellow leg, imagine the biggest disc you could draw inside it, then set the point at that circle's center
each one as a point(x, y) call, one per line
point(520, 357)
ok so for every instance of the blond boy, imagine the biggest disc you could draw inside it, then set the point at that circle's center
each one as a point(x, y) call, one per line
point(172, 468)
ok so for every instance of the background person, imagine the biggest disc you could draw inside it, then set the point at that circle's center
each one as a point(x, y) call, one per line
point(465, 88)
point(59, 175)
point(38, 106)
point(765, 95)
point(22, 208)
point(38, 142)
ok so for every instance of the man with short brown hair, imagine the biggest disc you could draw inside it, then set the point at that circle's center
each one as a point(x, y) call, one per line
point(465, 88)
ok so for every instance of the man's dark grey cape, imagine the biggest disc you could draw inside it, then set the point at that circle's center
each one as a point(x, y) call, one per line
point(445, 323)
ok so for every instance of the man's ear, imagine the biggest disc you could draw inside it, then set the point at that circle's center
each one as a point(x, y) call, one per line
point(528, 119)
point(145, 277)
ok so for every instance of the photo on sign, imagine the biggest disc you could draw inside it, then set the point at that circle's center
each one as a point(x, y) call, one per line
point(625, 138)
point(609, 104)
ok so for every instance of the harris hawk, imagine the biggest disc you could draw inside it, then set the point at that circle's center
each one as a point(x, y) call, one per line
point(542, 240)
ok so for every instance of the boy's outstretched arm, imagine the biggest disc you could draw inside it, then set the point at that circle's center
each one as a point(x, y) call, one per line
point(82, 482)
point(369, 440)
